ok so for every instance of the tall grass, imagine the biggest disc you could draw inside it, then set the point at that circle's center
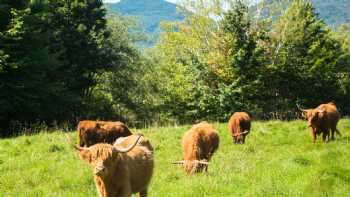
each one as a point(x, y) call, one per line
point(278, 159)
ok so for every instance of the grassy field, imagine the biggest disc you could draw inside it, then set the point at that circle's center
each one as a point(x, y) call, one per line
point(278, 159)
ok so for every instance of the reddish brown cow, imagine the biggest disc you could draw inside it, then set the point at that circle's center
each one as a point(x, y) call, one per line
point(322, 120)
point(92, 132)
point(239, 126)
point(198, 145)
point(122, 169)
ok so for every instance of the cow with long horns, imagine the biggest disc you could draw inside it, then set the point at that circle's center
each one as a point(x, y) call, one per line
point(122, 169)
point(198, 144)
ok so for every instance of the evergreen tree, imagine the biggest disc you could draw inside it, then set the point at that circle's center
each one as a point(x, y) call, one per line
point(26, 90)
point(244, 57)
point(304, 60)
point(78, 34)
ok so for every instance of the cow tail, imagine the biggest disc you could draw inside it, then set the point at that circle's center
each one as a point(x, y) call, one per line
point(338, 132)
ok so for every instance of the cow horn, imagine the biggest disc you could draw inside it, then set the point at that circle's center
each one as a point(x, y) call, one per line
point(74, 145)
point(178, 162)
point(298, 106)
point(79, 148)
point(194, 161)
point(124, 150)
point(202, 162)
point(238, 134)
point(301, 109)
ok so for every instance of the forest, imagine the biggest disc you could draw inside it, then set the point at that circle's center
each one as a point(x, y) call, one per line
point(62, 61)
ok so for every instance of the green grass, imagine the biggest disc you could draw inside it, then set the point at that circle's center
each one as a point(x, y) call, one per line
point(278, 159)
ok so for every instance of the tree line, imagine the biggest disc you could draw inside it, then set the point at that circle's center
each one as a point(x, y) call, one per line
point(267, 60)
point(66, 60)
point(54, 55)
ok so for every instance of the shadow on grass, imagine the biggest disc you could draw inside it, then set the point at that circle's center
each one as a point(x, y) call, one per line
point(302, 161)
point(324, 181)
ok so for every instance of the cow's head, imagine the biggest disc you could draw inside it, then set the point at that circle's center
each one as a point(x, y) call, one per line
point(239, 138)
point(313, 116)
point(103, 157)
point(193, 166)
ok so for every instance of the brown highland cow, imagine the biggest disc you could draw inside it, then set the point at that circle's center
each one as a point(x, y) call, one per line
point(92, 132)
point(322, 120)
point(122, 169)
point(199, 144)
point(239, 126)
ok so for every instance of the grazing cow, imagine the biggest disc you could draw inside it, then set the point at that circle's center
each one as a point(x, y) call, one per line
point(199, 144)
point(92, 132)
point(322, 120)
point(239, 126)
point(121, 169)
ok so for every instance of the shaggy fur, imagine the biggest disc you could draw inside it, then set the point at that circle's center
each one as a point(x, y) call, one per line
point(239, 126)
point(199, 144)
point(121, 174)
point(93, 132)
point(322, 120)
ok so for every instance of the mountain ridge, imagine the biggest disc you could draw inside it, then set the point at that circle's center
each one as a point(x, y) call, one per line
point(152, 12)
point(149, 12)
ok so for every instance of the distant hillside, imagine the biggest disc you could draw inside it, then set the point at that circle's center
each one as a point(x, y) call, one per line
point(149, 12)
point(333, 12)
point(152, 12)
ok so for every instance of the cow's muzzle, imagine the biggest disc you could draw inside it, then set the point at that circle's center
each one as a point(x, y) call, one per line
point(99, 170)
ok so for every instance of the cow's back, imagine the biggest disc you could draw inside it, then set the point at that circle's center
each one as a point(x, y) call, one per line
point(331, 116)
point(139, 160)
point(200, 142)
point(239, 122)
point(111, 131)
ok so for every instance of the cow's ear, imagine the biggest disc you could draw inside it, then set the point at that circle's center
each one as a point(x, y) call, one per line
point(320, 112)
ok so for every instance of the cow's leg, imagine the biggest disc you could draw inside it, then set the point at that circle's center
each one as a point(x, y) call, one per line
point(313, 134)
point(332, 133)
point(206, 165)
point(324, 136)
point(143, 193)
point(328, 135)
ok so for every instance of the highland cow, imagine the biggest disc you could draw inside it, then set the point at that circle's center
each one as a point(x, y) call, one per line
point(239, 126)
point(322, 120)
point(199, 144)
point(121, 169)
point(92, 132)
